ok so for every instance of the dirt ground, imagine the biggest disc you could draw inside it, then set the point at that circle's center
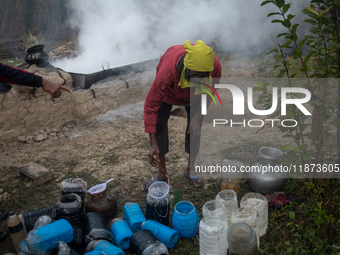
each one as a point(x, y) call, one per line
point(115, 146)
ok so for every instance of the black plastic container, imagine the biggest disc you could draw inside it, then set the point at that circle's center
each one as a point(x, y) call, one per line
point(96, 228)
point(70, 208)
point(61, 249)
point(144, 242)
point(31, 217)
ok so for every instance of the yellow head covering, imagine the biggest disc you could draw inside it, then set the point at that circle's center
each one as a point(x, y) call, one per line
point(199, 58)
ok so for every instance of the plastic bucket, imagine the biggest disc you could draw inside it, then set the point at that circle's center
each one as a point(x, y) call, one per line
point(166, 235)
point(134, 216)
point(121, 232)
point(185, 219)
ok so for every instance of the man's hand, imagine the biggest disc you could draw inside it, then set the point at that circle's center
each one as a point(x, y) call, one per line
point(195, 126)
point(53, 88)
point(154, 151)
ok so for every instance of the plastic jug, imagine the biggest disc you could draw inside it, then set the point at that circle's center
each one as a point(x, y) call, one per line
point(213, 236)
point(166, 235)
point(144, 242)
point(122, 233)
point(260, 204)
point(158, 203)
point(242, 239)
point(185, 219)
point(134, 216)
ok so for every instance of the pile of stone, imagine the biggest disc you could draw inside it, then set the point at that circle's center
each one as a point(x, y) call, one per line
point(40, 135)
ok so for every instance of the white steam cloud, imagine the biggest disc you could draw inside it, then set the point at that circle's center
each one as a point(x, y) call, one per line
point(124, 32)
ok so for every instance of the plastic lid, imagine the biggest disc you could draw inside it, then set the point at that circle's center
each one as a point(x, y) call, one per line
point(159, 189)
point(10, 213)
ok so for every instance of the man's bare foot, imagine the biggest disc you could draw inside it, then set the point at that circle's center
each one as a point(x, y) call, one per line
point(157, 177)
point(194, 179)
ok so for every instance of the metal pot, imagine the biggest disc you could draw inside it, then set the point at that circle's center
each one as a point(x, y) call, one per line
point(267, 177)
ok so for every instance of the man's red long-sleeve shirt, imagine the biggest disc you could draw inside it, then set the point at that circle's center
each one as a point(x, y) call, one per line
point(165, 86)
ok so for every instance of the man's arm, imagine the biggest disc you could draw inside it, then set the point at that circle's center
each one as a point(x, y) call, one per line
point(17, 76)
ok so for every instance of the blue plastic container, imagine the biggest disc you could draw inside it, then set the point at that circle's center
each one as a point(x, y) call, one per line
point(42, 239)
point(166, 235)
point(122, 233)
point(108, 248)
point(185, 219)
point(95, 253)
point(134, 216)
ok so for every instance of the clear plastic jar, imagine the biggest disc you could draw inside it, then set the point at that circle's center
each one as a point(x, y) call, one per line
point(260, 204)
point(213, 236)
point(249, 216)
point(214, 208)
point(242, 239)
point(229, 200)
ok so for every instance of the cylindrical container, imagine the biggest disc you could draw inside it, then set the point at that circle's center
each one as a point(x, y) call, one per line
point(96, 228)
point(15, 229)
point(158, 203)
point(77, 242)
point(134, 216)
point(122, 233)
point(95, 253)
point(74, 185)
point(260, 204)
point(31, 217)
point(242, 240)
point(229, 200)
point(42, 221)
point(105, 247)
point(103, 204)
point(213, 236)
point(249, 216)
point(42, 239)
point(166, 235)
point(185, 219)
point(214, 208)
point(70, 208)
point(61, 248)
point(144, 242)
point(231, 180)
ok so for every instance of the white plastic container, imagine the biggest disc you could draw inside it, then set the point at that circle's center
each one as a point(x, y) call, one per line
point(215, 208)
point(213, 236)
point(229, 200)
point(260, 204)
point(249, 216)
point(242, 239)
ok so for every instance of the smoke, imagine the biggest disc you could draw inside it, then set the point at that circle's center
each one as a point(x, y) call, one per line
point(125, 32)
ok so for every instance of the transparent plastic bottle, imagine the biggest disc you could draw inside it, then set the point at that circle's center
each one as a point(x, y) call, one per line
point(213, 235)
point(260, 204)
point(15, 229)
point(242, 240)
point(229, 200)
point(249, 216)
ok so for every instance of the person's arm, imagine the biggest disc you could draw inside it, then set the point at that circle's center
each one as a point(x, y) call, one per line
point(17, 76)
point(153, 101)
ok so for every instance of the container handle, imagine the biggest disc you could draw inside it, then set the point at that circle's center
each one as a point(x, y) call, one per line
point(167, 209)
